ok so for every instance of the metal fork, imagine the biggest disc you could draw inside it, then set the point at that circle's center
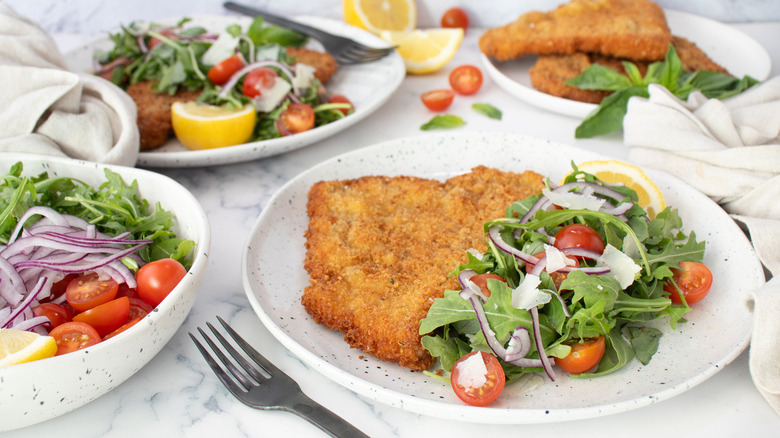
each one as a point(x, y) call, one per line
point(267, 388)
point(346, 51)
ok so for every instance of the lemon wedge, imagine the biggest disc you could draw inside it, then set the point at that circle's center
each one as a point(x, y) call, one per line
point(378, 15)
point(614, 171)
point(200, 126)
point(425, 51)
point(19, 346)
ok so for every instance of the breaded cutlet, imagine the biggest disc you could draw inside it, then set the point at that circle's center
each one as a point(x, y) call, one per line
point(379, 251)
point(550, 72)
point(631, 29)
point(324, 64)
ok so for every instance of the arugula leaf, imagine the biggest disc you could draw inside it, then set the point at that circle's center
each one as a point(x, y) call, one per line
point(488, 110)
point(447, 121)
point(644, 341)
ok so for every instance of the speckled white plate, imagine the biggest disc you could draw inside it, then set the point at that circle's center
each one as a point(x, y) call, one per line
point(34, 392)
point(717, 331)
point(368, 86)
point(732, 49)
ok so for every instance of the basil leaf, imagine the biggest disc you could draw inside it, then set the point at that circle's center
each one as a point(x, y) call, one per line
point(599, 77)
point(487, 110)
point(447, 121)
point(608, 117)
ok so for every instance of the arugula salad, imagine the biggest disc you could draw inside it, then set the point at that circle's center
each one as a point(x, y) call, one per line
point(573, 277)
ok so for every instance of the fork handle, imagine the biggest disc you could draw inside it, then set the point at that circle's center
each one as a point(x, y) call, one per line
point(323, 418)
point(271, 18)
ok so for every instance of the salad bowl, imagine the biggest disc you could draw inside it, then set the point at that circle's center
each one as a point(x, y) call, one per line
point(36, 391)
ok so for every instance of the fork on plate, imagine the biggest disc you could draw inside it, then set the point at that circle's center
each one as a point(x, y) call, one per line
point(264, 386)
point(345, 50)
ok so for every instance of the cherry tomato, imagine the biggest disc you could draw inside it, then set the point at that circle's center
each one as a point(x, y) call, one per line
point(486, 392)
point(455, 17)
point(339, 98)
point(438, 100)
point(481, 281)
point(221, 73)
point(59, 288)
point(694, 280)
point(466, 79)
point(258, 80)
point(557, 276)
point(157, 279)
point(296, 118)
point(126, 291)
point(579, 236)
point(167, 33)
point(139, 308)
point(73, 336)
point(127, 325)
point(88, 291)
point(107, 317)
point(57, 314)
point(584, 356)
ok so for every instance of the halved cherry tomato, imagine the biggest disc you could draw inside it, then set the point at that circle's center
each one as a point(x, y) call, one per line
point(157, 279)
point(127, 325)
point(139, 308)
point(258, 80)
point(487, 391)
point(59, 288)
point(126, 291)
point(107, 317)
point(221, 73)
point(57, 314)
point(579, 236)
point(481, 281)
point(455, 17)
point(73, 336)
point(694, 280)
point(296, 118)
point(466, 79)
point(583, 356)
point(88, 291)
point(557, 276)
point(339, 98)
point(438, 100)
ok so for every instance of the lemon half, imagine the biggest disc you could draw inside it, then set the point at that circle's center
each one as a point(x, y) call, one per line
point(19, 346)
point(425, 51)
point(200, 126)
point(378, 15)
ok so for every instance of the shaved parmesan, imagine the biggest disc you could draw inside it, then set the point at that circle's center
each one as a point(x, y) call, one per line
point(472, 371)
point(556, 260)
point(574, 201)
point(621, 267)
point(304, 76)
point(224, 47)
point(527, 295)
point(270, 98)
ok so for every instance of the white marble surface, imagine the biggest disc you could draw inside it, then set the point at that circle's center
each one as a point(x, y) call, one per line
point(176, 394)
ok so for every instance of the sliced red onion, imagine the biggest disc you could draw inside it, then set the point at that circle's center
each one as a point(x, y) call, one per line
point(539, 346)
point(495, 237)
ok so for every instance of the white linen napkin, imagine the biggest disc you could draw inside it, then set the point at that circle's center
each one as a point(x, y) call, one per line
point(46, 109)
point(730, 151)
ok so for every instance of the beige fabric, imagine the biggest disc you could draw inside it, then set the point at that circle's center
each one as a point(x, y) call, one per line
point(46, 109)
point(730, 151)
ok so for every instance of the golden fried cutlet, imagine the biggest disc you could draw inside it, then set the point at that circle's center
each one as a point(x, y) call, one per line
point(379, 251)
point(631, 29)
point(154, 112)
point(325, 66)
point(550, 72)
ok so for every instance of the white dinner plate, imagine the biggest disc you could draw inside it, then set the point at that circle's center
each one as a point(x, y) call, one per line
point(367, 86)
point(718, 329)
point(727, 46)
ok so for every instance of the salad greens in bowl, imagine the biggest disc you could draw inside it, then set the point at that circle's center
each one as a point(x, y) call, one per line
point(133, 220)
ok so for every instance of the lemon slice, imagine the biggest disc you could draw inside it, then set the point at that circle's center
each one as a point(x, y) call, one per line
point(378, 15)
point(613, 171)
point(200, 126)
point(19, 346)
point(425, 51)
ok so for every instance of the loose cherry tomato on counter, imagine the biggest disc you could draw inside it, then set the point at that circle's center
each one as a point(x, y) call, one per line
point(455, 17)
point(258, 80)
point(339, 98)
point(481, 281)
point(579, 236)
point(583, 356)
point(88, 291)
point(157, 279)
point(222, 72)
point(477, 388)
point(56, 313)
point(296, 118)
point(107, 317)
point(694, 280)
point(437, 100)
point(132, 322)
point(73, 336)
point(466, 79)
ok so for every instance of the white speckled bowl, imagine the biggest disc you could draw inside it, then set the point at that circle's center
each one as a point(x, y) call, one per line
point(37, 391)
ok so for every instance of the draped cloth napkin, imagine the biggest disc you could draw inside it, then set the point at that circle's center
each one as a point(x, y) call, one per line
point(46, 109)
point(730, 151)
